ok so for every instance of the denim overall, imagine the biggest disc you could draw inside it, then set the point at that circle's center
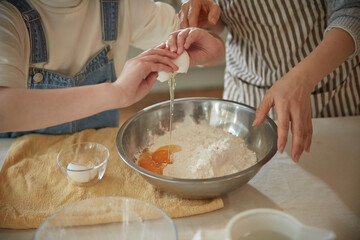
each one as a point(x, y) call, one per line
point(97, 70)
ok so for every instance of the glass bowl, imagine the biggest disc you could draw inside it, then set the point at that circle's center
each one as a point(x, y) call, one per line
point(83, 164)
point(108, 218)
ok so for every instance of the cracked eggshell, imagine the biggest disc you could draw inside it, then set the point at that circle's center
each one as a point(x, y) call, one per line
point(182, 61)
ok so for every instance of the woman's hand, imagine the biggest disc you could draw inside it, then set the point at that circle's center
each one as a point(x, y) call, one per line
point(203, 47)
point(139, 74)
point(290, 96)
point(199, 13)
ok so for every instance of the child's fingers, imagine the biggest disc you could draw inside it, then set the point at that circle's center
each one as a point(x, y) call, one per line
point(159, 52)
point(158, 67)
point(161, 46)
point(156, 59)
point(151, 77)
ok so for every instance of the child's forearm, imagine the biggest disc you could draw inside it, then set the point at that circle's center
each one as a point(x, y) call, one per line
point(333, 50)
point(24, 109)
point(30, 109)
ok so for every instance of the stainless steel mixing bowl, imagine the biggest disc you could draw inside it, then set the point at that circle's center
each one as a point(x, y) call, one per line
point(137, 132)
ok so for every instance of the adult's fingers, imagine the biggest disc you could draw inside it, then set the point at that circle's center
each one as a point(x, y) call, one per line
point(298, 139)
point(301, 127)
point(192, 37)
point(214, 13)
point(183, 15)
point(193, 14)
point(181, 40)
point(263, 109)
point(283, 124)
point(308, 133)
point(171, 43)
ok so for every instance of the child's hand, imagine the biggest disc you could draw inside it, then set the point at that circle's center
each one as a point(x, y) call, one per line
point(139, 74)
point(203, 47)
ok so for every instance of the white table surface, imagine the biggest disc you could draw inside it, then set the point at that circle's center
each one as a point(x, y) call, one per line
point(323, 190)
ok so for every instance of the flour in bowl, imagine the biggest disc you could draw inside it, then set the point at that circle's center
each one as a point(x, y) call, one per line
point(206, 152)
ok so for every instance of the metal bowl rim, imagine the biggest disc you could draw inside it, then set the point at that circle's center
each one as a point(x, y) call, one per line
point(152, 175)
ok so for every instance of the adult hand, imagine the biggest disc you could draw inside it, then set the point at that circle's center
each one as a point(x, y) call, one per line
point(290, 96)
point(139, 74)
point(198, 13)
point(203, 47)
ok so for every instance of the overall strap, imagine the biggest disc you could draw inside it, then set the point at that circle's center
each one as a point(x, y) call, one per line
point(36, 34)
point(109, 17)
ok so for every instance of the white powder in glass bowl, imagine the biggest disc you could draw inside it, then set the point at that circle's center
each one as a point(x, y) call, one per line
point(206, 152)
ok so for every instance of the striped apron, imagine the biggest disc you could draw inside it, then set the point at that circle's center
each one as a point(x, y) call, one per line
point(267, 38)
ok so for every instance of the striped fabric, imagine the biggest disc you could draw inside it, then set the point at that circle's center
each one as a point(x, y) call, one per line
point(267, 38)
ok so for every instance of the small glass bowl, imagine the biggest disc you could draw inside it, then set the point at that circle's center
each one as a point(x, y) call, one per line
point(108, 218)
point(83, 164)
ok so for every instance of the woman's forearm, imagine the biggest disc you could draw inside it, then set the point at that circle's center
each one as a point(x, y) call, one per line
point(25, 109)
point(333, 50)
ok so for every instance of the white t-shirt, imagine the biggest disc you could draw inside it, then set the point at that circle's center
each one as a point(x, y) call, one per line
point(74, 35)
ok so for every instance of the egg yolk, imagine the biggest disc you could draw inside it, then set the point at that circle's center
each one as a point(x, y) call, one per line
point(158, 160)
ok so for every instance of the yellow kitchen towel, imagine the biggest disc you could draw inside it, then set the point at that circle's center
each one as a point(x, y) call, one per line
point(32, 185)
